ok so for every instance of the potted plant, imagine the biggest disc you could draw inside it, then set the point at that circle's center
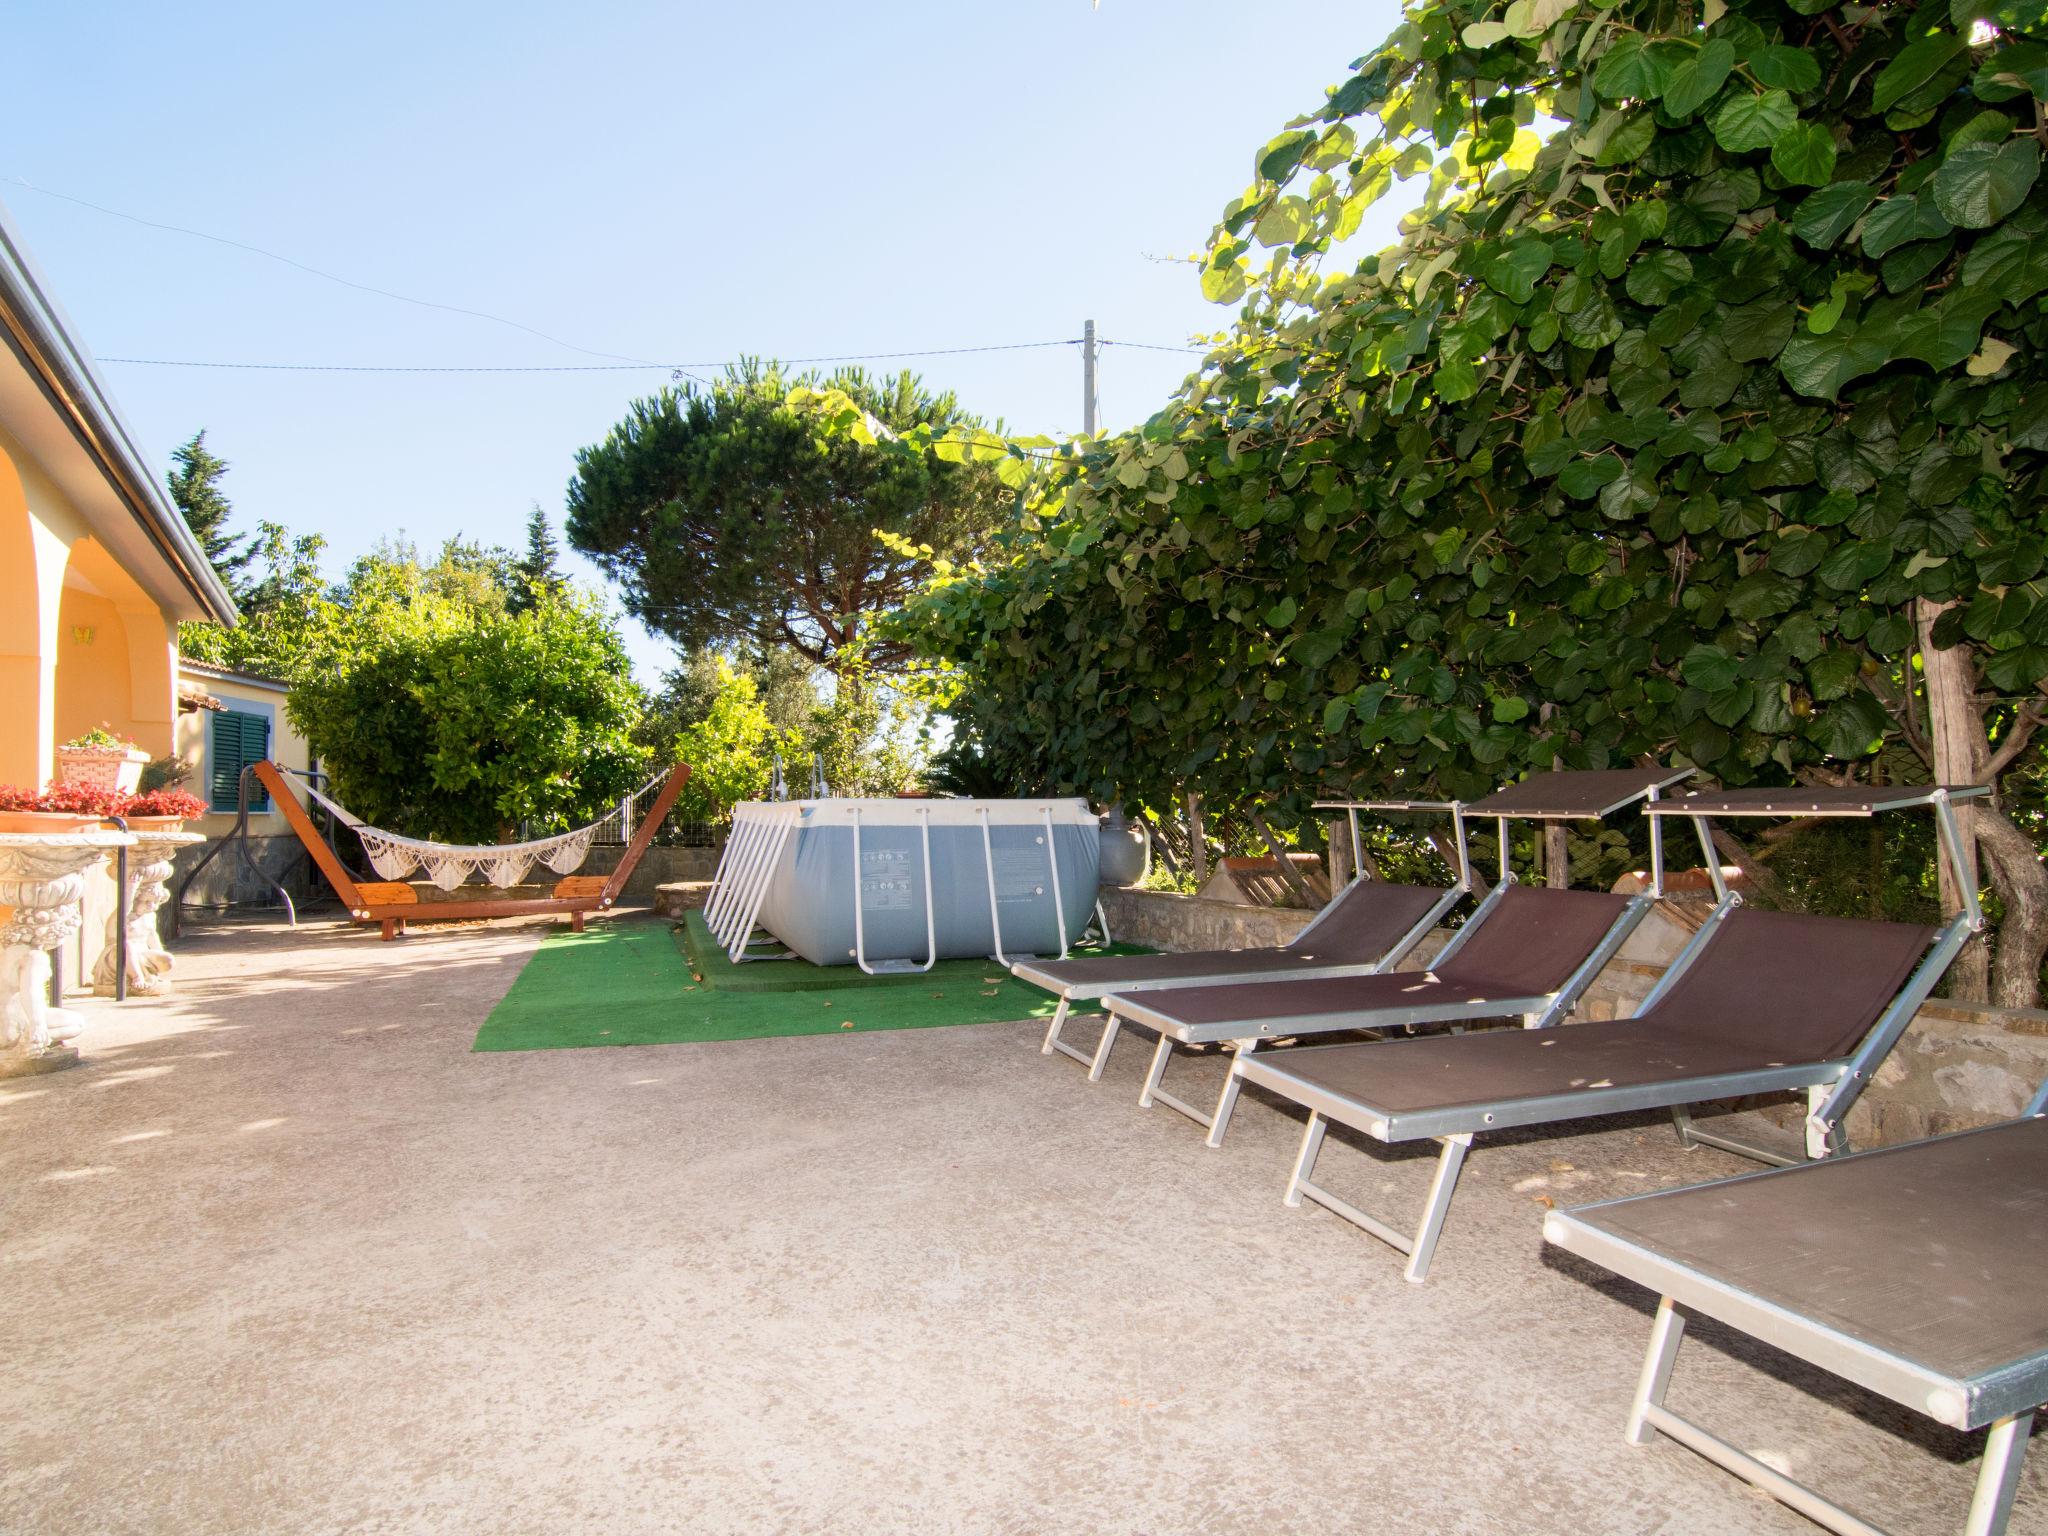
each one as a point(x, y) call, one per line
point(57, 808)
point(101, 758)
point(159, 810)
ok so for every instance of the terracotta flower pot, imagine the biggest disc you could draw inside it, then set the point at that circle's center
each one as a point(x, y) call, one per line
point(47, 823)
point(155, 823)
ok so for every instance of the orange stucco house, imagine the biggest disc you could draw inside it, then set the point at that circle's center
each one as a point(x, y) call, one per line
point(97, 568)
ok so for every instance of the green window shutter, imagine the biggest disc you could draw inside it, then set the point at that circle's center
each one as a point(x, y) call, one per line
point(236, 740)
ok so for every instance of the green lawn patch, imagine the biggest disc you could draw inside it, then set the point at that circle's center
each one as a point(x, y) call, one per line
point(637, 983)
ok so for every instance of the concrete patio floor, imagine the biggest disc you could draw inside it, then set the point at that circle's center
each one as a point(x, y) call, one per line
point(285, 1256)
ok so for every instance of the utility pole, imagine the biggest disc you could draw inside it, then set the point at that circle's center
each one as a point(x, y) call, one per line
point(1088, 378)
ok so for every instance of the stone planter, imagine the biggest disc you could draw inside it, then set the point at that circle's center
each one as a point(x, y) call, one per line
point(157, 841)
point(42, 878)
point(102, 767)
point(46, 823)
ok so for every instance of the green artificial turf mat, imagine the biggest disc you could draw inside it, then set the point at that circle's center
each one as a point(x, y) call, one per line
point(772, 974)
point(631, 983)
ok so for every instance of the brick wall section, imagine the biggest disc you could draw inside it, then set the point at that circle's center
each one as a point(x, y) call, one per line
point(1959, 1064)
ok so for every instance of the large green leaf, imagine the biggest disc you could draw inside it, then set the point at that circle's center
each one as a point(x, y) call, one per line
point(1804, 154)
point(1624, 140)
point(1696, 79)
point(1583, 478)
point(1279, 158)
point(1980, 184)
point(1914, 66)
point(1897, 220)
point(2011, 261)
point(1710, 668)
point(1945, 333)
point(1791, 69)
point(1745, 122)
point(1823, 217)
point(1758, 595)
point(1851, 728)
point(1821, 365)
point(1657, 274)
point(1628, 70)
point(1755, 331)
point(1516, 270)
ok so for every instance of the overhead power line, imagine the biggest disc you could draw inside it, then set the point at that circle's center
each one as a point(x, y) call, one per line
point(618, 362)
point(836, 357)
point(332, 277)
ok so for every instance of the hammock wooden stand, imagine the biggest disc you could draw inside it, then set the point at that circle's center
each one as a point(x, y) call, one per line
point(389, 903)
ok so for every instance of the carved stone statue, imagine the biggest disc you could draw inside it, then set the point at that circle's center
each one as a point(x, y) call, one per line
point(42, 880)
point(149, 963)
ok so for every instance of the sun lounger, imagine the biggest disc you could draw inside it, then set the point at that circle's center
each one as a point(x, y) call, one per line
point(1369, 926)
point(1525, 952)
point(1757, 1002)
point(1915, 1272)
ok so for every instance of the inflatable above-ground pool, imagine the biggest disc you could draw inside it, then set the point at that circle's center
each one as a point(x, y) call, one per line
point(899, 884)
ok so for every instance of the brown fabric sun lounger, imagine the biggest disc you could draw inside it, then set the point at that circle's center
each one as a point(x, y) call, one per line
point(1775, 1001)
point(1370, 925)
point(1526, 951)
point(1529, 953)
point(1756, 1002)
point(1915, 1272)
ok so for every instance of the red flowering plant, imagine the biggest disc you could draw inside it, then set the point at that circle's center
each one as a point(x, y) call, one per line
point(71, 799)
point(173, 803)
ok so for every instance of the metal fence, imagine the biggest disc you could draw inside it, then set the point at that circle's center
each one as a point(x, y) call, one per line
point(618, 828)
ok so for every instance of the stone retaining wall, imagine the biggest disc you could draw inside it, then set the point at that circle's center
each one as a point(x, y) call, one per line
point(658, 866)
point(676, 897)
point(1166, 920)
point(1958, 1065)
point(226, 880)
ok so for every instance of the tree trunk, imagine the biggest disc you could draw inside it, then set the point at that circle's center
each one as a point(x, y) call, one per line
point(1761, 880)
point(1955, 730)
point(1557, 853)
point(2016, 870)
point(1557, 857)
point(1343, 856)
point(1446, 845)
point(1198, 841)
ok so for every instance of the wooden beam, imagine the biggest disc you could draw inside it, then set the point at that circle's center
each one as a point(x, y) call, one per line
point(650, 824)
point(268, 775)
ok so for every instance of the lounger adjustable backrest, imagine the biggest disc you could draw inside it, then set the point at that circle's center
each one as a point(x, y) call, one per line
point(1797, 987)
point(1364, 922)
point(1532, 941)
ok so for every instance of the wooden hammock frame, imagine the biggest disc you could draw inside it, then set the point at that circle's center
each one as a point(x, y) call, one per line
point(390, 903)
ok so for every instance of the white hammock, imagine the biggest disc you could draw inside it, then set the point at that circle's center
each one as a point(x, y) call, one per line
point(449, 864)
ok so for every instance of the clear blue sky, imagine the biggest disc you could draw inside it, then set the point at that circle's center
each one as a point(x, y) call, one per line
point(670, 182)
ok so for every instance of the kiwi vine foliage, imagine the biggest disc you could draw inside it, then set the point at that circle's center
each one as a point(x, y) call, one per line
point(1713, 345)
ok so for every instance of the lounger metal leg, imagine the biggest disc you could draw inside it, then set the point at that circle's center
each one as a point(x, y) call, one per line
point(1691, 1137)
point(1421, 1245)
point(1441, 1187)
point(1226, 1102)
point(1052, 1030)
point(1214, 1121)
point(1998, 1477)
point(1305, 1160)
point(1160, 1056)
point(1103, 1047)
point(1094, 1062)
point(1665, 1336)
point(1787, 1491)
point(1998, 1480)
